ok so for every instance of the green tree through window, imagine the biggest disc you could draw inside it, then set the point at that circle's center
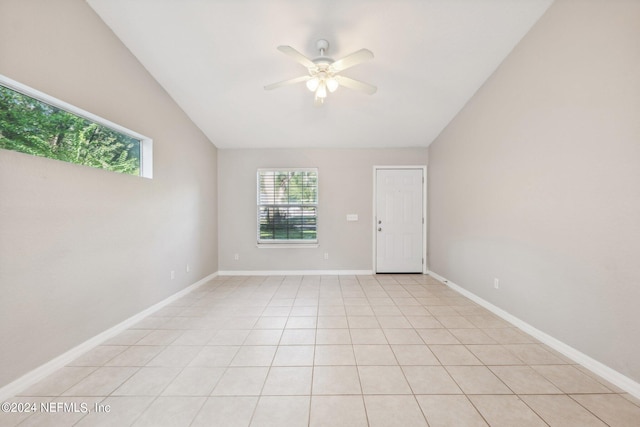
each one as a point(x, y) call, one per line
point(31, 126)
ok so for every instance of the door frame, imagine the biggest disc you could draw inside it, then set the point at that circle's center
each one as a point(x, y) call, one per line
point(374, 227)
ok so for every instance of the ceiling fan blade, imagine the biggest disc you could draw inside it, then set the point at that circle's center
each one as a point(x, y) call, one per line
point(289, 51)
point(356, 84)
point(287, 82)
point(354, 59)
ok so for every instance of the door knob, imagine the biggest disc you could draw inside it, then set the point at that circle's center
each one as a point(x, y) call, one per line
point(379, 221)
point(379, 228)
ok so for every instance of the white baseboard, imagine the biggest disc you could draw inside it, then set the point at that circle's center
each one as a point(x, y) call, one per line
point(295, 273)
point(598, 368)
point(48, 368)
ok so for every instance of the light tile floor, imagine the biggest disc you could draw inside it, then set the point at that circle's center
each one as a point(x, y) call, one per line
point(383, 350)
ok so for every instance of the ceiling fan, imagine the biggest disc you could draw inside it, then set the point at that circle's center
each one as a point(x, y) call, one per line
point(324, 72)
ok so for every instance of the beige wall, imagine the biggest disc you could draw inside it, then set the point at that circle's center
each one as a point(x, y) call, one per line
point(537, 182)
point(345, 187)
point(83, 249)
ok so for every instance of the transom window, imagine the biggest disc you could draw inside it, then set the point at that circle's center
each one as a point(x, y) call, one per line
point(287, 205)
point(34, 123)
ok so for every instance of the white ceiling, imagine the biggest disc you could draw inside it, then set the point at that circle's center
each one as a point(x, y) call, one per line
point(214, 57)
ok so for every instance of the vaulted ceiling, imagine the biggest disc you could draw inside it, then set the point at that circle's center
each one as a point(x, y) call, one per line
point(214, 58)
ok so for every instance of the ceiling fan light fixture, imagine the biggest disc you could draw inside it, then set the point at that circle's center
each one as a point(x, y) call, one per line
point(332, 84)
point(312, 84)
point(322, 90)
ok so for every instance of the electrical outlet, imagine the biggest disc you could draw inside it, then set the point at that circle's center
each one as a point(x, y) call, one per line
point(236, 257)
point(326, 255)
point(173, 274)
point(496, 283)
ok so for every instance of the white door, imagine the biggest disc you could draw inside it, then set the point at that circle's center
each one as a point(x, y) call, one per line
point(399, 220)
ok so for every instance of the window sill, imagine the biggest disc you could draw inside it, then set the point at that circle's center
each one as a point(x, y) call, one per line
point(287, 245)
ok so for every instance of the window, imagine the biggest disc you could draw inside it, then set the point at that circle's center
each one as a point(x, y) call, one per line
point(287, 206)
point(34, 123)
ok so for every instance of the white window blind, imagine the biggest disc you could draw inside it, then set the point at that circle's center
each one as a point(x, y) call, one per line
point(287, 205)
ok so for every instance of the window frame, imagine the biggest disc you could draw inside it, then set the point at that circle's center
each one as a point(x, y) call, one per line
point(286, 243)
point(146, 143)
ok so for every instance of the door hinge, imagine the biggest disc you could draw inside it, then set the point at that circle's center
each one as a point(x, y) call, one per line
point(422, 261)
